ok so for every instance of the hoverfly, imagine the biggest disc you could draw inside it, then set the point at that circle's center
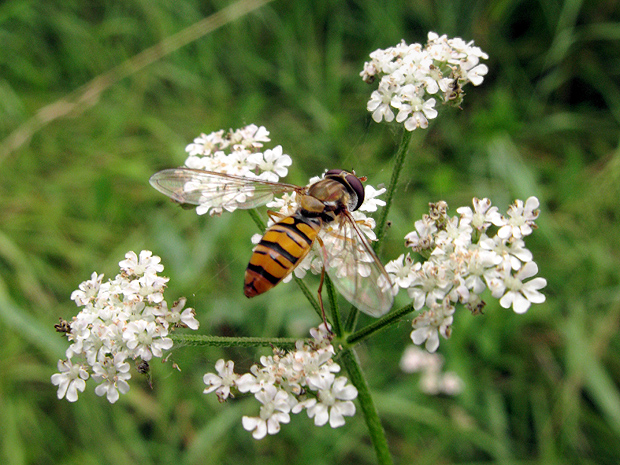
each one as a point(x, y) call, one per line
point(325, 205)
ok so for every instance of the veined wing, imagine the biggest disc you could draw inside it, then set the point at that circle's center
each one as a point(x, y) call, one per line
point(354, 268)
point(216, 191)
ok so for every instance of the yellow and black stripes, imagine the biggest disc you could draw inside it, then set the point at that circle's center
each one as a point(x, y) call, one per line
point(281, 249)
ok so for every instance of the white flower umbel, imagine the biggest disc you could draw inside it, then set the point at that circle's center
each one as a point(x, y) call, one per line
point(122, 319)
point(290, 382)
point(411, 76)
point(465, 254)
point(236, 152)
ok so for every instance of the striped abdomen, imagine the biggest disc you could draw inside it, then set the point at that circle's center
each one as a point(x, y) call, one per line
point(282, 248)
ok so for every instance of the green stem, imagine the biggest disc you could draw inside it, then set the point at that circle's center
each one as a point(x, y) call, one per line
point(257, 219)
point(378, 325)
point(352, 318)
point(225, 341)
point(377, 434)
point(309, 295)
point(398, 166)
point(333, 303)
point(399, 161)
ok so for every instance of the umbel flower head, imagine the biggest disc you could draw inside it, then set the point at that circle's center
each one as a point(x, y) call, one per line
point(466, 254)
point(411, 77)
point(125, 318)
point(237, 152)
point(290, 382)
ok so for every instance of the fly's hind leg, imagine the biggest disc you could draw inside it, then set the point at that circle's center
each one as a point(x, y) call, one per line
point(320, 290)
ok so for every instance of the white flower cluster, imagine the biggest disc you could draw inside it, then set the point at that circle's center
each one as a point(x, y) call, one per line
point(412, 74)
point(239, 153)
point(289, 382)
point(330, 235)
point(433, 380)
point(464, 259)
point(123, 318)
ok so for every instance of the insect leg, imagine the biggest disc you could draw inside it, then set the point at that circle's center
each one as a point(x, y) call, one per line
point(320, 291)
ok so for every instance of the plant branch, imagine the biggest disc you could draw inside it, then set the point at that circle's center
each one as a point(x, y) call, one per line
point(378, 325)
point(225, 341)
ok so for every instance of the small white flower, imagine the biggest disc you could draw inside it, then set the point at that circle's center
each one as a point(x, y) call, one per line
point(257, 380)
point(87, 290)
point(521, 221)
point(145, 339)
point(423, 236)
point(401, 271)
point(177, 315)
point(371, 202)
point(333, 403)
point(113, 374)
point(285, 205)
point(431, 323)
point(482, 216)
point(380, 101)
point(250, 137)
point(512, 253)
point(272, 163)
point(480, 268)
point(147, 263)
point(456, 233)
point(275, 410)
point(434, 382)
point(322, 335)
point(316, 367)
point(223, 381)
point(70, 380)
point(205, 145)
point(476, 74)
point(416, 113)
point(429, 285)
point(513, 291)
point(239, 163)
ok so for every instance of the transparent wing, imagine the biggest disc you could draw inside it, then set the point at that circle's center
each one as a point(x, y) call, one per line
point(354, 268)
point(216, 191)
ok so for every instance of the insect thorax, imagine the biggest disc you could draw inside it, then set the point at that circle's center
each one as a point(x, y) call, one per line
point(333, 195)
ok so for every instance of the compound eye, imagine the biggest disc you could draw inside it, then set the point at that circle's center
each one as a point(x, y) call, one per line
point(354, 183)
point(358, 188)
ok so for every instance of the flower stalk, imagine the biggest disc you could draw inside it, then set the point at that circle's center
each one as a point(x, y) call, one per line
point(399, 161)
point(373, 422)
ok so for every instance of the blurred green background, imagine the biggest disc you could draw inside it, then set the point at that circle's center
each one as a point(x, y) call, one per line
point(541, 388)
